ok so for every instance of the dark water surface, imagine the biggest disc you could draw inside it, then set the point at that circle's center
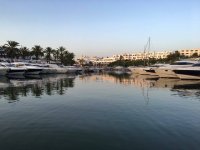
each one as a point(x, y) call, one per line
point(99, 112)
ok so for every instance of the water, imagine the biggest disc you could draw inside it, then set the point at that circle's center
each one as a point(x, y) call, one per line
point(99, 112)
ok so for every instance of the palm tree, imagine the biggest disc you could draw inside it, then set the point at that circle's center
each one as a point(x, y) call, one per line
point(68, 58)
point(11, 49)
point(56, 55)
point(37, 51)
point(24, 52)
point(48, 51)
point(2, 51)
point(61, 50)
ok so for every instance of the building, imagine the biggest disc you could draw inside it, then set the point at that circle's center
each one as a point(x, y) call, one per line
point(189, 52)
point(105, 61)
point(140, 56)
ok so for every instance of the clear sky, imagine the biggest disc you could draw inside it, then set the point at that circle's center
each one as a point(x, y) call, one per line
point(101, 27)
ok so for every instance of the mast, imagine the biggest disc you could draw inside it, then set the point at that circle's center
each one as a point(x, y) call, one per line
point(147, 48)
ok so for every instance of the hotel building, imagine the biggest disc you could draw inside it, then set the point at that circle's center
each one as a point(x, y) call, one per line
point(189, 52)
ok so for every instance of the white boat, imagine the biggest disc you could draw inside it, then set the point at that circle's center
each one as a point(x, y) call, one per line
point(189, 73)
point(46, 69)
point(121, 70)
point(3, 70)
point(59, 69)
point(147, 70)
point(13, 70)
point(73, 69)
point(29, 68)
point(167, 71)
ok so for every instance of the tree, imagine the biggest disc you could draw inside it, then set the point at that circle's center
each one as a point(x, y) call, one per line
point(48, 51)
point(173, 57)
point(11, 49)
point(61, 50)
point(2, 51)
point(68, 58)
point(56, 55)
point(194, 55)
point(37, 51)
point(24, 52)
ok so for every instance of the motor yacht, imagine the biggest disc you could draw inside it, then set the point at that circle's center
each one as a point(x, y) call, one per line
point(13, 70)
point(29, 68)
point(59, 69)
point(150, 70)
point(73, 69)
point(167, 70)
point(189, 73)
point(121, 70)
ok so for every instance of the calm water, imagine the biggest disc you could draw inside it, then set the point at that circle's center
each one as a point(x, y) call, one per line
point(99, 112)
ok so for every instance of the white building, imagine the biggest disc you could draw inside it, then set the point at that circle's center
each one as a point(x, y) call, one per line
point(105, 60)
point(189, 52)
point(139, 56)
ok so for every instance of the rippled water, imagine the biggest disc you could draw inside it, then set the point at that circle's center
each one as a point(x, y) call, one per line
point(99, 112)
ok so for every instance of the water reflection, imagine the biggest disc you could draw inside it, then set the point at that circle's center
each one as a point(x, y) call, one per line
point(13, 88)
point(183, 88)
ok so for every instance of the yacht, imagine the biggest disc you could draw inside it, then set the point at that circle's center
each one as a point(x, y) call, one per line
point(147, 70)
point(121, 70)
point(29, 68)
point(13, 70)
point(189, 73)
point(46, 69)
point(73, 69)
point(167, 71)
point(59, 69)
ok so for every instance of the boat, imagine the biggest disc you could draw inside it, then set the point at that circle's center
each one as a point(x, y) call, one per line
point(29, 68)
point(58, 69)
point(121, 70)
point(150, 70)
point(167, 70)
point(46, 69)
point(189, 73)
point(73, 69)
point(13, 70)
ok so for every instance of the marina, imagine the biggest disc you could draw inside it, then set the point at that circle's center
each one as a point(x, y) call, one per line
point(99, 75)
point(57, 111)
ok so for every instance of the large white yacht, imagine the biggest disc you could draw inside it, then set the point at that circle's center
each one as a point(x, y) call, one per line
point(191, 73)
point(13, 70)
point(121, 70)
point(29, 68)
point(59, 69)
point(167, 71)
point(46, 69)
point(73, 69)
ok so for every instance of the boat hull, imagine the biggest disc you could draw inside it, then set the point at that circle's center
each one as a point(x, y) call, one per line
point(16, 72)
point(188, 74)
point(165, 73)
point(33, 71)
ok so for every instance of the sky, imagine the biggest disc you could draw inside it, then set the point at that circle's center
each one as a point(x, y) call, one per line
point(101, 27)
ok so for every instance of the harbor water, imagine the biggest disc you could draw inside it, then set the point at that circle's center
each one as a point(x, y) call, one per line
point(99, 112)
